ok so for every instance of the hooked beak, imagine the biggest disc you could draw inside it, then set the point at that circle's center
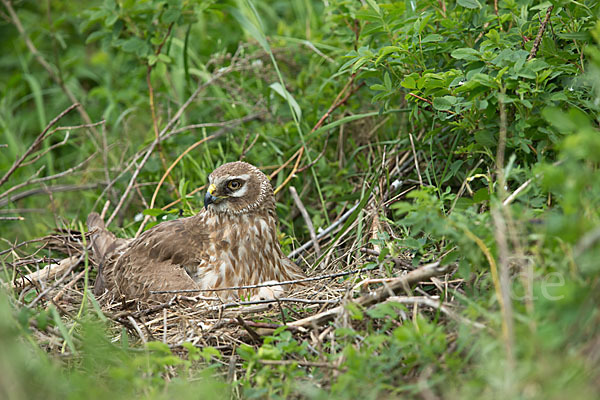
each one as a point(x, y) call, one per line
point(208, 197)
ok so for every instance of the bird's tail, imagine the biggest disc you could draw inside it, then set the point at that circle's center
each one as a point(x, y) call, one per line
point(102, 239)
point(104, 245)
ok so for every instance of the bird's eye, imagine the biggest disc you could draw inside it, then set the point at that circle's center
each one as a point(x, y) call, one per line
point(234, 184)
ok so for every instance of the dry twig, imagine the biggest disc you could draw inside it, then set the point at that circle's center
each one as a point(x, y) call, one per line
point(47, 273)
point(37, 140)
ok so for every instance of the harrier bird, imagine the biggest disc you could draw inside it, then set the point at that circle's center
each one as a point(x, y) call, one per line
point(231, 242)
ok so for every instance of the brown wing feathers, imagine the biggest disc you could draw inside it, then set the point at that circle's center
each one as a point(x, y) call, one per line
point(151, 262)
point(177, 241)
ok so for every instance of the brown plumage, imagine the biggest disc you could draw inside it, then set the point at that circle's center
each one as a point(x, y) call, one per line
point(231, 242)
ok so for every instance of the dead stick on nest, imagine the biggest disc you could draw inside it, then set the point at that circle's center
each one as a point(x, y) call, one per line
point(280, 300)
point(266, 325)
point(307, 220)
point(326, 231)
point(137, 329)
point(314, 278)
point(255, 336)
point(538, 38)
point(72, 262)
point(423, 273)
point(48, 272)
point(68, 286)
point(144, 312)
point(301, 363)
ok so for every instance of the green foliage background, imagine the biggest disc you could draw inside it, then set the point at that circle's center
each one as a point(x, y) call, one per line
point(455, 78)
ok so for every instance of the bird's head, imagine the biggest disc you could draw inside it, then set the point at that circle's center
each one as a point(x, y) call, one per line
point(237, 188)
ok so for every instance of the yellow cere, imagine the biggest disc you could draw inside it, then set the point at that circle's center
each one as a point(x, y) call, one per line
point(212, 188)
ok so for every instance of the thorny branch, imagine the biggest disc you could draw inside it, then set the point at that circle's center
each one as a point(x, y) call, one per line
point(538, 38)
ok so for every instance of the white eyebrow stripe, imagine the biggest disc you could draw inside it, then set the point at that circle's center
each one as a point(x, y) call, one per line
point(241, 192)
point(244, 177)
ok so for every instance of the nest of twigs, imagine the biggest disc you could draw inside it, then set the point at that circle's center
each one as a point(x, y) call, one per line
point(311, 311)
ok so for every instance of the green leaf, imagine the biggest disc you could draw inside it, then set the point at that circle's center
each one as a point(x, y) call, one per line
point(359, 63)
point(172, 14)
point(562, 121)
point(135, 45)
point(542, 6)
point(63, 330)
point(432, 38)
point(42, 320)
point(465, 53)
point(251, 28)
point(269, 352)
point(484, 79)
point(165, 58)
point(96, 306)
point(469, 4)
point(354, 311)
point(386, 50)
point(485, 138)
point(208, 352)
point(246, 352)
point(374, 6)
point(95, 36)
point(280, 90)
point(575, 35)
point(110, 20)
point(159, 347)
point(481, 195)
point(444, 103)
point(387, 81)
point(386, 309)
point(450, 258)
point(377, 86)
point(154, 212)
point(409, 82)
